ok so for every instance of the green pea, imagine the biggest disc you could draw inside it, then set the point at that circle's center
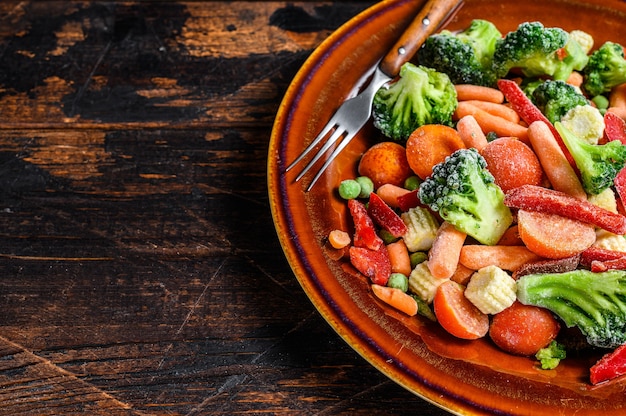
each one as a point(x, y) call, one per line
point(601, 102)
point(349, 189)
point(417, 258)
point(398, 281)
point(412, 183)
point(367, 186)
point(386, 236)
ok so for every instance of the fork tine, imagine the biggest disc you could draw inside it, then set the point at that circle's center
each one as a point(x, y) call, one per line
point(327, 145)
point(331, 123)
point(344, 142)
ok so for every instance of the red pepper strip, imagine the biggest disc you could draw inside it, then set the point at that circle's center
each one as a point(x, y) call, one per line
point(537, 198)
point(374, 264)
point(364, 230)
point(566, 264)
point(599, 254)
point(614, 127)
point(530, 113)
point(383, 215)
point(409, 200)
point(610, 366)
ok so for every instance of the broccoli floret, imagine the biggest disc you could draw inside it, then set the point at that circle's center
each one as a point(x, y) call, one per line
point(464, 193)
point(419, 96)
point(537, 51)
point(606, 68)
point(556, 98)
point(465, 56)
point(551, 356)
point(594, 302)
point(598, 164)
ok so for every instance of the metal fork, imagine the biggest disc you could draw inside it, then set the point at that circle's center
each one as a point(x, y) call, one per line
point(355, 112)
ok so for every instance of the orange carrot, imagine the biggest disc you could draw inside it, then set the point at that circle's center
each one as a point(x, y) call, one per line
point(338, 239)
point(399, 257)
point(429, 145)
point(511, 237)
point(456, 314)
point(462, 275)
point(490, 123)
point(552, 236)
point(390, 193)
point(466, 92)
point(443, 256)
point(575, 79)
point(471, 133)
point(476, 256)
point(496, 109)
point(617, 96)
point(553, 161)
point(396, 298)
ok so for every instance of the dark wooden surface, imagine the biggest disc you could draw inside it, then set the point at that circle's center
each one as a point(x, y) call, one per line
point(140, 272)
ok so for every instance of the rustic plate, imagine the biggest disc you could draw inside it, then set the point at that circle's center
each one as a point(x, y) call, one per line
point(462, 377)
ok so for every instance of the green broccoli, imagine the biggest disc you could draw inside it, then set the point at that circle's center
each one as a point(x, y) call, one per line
point(464, 193)
point(551, 356)
point(594, 302)
point(465, 56)
point(598, 164)
point(556, 98)
point(538, 51)
point(606, 68)
point(419, 96)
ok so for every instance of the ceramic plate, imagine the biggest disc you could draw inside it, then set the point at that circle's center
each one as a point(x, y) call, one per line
point(463, 377)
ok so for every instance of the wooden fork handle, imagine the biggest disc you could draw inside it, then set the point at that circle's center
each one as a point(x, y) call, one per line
point(429, 19)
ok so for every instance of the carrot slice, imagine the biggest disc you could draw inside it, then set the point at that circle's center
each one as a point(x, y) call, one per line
point(457, 314)
point(429, 145)
point(523, 329)
point(553, 236)
point(512, 163)
point(396, 298)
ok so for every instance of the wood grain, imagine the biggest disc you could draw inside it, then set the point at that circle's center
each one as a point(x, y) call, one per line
point(140, 271)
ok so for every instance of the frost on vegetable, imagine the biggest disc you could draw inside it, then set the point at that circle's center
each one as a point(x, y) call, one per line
point(464, 193)
point(491, 290)
point(422, 228)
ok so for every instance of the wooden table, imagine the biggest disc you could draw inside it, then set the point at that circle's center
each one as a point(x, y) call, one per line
point(140, 269)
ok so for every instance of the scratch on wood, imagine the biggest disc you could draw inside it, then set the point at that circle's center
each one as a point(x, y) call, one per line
point(60, 381)
point(83, 87)
point(44, 258)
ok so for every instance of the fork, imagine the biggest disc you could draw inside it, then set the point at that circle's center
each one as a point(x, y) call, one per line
point(356, 111)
